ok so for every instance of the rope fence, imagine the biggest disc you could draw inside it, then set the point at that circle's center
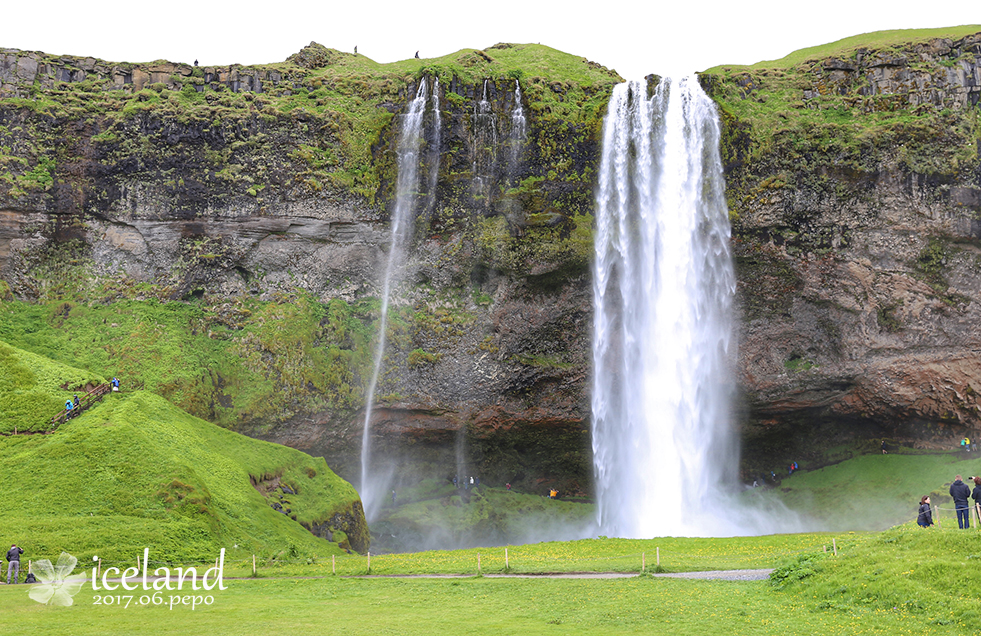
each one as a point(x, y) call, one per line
point(500, 560)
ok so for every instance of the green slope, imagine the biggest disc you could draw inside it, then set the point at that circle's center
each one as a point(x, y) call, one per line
point(34, 388)
point(135, 472)
point(930, 575)
point(874, 492)
point(847, 47)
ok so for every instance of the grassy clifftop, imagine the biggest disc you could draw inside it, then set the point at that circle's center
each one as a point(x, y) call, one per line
point(826, 118)
point(134, 472)
point(310, 123)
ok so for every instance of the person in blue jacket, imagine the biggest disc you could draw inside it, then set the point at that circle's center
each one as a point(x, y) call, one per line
point(960, 492)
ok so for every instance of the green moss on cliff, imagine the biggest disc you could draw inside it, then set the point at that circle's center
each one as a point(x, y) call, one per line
point(234, 363)
point(815, 118)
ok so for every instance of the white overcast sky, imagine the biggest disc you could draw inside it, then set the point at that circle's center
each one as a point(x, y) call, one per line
point(634, 38)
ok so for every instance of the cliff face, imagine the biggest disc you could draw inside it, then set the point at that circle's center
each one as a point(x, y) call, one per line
point(855, 187)
point(261, 197)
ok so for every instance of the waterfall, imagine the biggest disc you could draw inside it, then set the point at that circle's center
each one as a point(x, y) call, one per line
point(485, 147)
point(374, 481)
point(664, 450)
point(434, 150)
point(519, 132)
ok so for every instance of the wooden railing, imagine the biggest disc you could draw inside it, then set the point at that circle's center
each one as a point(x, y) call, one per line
point(87, 400)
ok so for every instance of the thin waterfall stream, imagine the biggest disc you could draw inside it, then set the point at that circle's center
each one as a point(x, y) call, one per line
point(408, 152)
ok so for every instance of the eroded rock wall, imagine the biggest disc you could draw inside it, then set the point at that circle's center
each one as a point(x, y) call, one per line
point(858, 249)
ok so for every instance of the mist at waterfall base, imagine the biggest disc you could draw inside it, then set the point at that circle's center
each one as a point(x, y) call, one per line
point(665, 450)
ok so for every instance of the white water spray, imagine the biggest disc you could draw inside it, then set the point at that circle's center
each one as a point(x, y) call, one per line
point(373, 480)
point(519, 131)
point(664, 449)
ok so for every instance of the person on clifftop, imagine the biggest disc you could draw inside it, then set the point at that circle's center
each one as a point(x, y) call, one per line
point(959, 491)
point(925, 518)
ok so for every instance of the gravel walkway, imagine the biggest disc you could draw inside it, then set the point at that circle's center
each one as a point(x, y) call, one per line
point(722, 575)
point(725, 575)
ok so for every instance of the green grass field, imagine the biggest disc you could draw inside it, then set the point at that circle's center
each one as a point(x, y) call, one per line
point(902, 581)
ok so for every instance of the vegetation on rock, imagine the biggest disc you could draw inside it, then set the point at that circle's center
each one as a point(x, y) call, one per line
point(134, 471)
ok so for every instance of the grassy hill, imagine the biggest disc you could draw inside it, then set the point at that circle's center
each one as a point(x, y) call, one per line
point(846, 47)
point(874, 492)
point(135, 472)
point(34, 388)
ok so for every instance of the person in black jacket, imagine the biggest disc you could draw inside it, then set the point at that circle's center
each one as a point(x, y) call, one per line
point(925, 518)
point(976, 495)
point(960, 492)
point(13, 562)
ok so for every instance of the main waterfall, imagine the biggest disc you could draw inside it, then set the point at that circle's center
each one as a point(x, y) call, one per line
point(664, 449)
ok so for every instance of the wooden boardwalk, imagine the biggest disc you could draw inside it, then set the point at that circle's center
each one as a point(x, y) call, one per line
point(85, 402)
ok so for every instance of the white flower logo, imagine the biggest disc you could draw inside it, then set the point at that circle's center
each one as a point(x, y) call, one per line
point(56, 587)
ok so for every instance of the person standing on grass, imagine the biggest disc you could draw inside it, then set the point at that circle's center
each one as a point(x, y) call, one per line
point(925, 518)
point(976, 495)
point(13, 562)
point(960, 492)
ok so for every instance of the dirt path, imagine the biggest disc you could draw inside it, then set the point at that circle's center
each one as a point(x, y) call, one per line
point(723, 575)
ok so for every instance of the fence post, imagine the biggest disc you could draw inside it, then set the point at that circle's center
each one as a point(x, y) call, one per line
point(643, 562)
point(478, 563)
point(834, 545)
point(507, 566)
point(137, 563)
point(936, 514)
point(658, 556)
point(369, 563)
point(333, 567)
point(98, 569)
point(253, 565)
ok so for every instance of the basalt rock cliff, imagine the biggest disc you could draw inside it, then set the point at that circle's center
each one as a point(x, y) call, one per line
point(259, 197)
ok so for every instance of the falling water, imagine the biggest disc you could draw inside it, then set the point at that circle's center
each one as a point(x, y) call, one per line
point(408, 156)
point(519, 131)
point(485, 145)
point(434, 150)
point(664, 450)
